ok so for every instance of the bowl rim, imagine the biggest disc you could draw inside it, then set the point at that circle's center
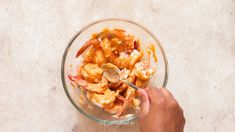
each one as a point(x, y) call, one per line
point(101, 121)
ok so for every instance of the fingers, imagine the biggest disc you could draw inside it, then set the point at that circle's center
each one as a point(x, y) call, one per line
point(145, 102)
point(160, 95)
point(155, 95)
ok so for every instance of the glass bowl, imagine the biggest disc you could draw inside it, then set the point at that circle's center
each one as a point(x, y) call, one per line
point(70, 64)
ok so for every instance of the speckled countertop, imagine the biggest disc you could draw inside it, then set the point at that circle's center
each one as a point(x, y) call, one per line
point(198, 36)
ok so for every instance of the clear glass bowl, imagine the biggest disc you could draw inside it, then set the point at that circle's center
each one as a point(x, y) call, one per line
point(70, 64)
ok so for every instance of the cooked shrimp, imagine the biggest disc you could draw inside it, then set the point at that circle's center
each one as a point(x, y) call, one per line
point(130, 94)
point(93, 69)
point(91, 72)
point(93, 87)
point(106, 47)
point(127, 44)
point(118, 104)
point(135, 57)
point(88, 56)
point(105, 100)
point(99, 57)
point(122, 61)
point(87, 45)
point(125, 60)
point(143, 70)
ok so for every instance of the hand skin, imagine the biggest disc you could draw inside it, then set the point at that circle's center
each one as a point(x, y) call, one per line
point(160, 112)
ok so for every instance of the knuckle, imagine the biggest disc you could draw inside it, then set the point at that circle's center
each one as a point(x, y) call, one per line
point(161, 101)
point(173, 104)
point(152, 92)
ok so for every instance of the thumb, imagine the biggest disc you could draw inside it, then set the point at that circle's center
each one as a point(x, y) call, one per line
point(145, 102)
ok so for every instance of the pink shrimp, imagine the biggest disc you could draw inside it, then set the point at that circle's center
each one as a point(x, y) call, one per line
point(93, 87)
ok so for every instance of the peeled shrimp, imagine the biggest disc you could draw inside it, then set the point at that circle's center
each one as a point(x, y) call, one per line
point(106, 47)
point(95, 55)
point(91, 72)
point(129, 95)
point(125, 60)
point(143, 70)
point(127, 44)
point(93, 87)
point(135, 57)
point(105, 100)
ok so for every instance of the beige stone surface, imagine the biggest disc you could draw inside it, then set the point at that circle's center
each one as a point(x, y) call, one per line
point(198, 36)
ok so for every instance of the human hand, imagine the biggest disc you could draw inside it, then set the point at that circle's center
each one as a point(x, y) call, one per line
point(160, 112)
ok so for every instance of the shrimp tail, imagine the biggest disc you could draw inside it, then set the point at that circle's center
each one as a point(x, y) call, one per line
point(87, 45)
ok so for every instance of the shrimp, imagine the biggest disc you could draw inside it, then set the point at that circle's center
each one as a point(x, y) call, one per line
point(93, 87)
point(135, 57)
point(93, 69)
point(127, 44)
point(89, 54)
point(106, 47)
point(95, 55)
point(91, 72)
point(118, 41)
point(99, 57)
point(117, 104)
point(125, 60)
point(122, 61)
point(143, 70)
point(129, 95)
point(87, 45)
point(105, 100)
